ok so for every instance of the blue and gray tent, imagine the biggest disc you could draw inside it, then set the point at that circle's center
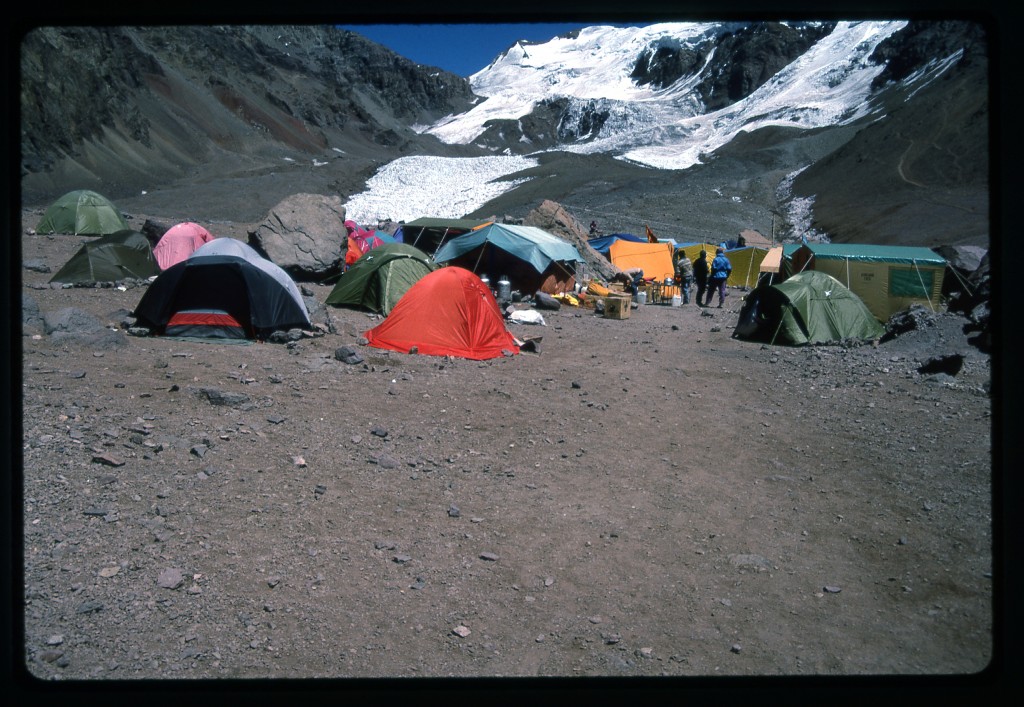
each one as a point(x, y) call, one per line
point(532, 259)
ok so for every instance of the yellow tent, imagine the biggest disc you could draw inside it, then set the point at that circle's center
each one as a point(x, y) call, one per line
point(746, 266)
point(655, 259)
point(887, 278)
point(692, 250)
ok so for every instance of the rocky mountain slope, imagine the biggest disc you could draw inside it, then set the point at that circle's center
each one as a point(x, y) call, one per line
point(284, 110)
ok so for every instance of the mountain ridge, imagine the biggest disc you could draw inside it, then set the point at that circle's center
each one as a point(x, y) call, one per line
point(319, 109)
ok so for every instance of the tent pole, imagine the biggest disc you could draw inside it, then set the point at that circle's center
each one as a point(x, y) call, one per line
point(479, 257)
point(920, 279)
point(441, 242)
point(772, 342)
point(962, 281)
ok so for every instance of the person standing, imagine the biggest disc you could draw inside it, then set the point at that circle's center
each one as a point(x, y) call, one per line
point(701, 268)
point(720, 269)
point(684, 275)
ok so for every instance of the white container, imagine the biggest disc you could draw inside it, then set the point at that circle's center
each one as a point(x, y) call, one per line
point(677, 301)
point(504, 289)
point(641, 297)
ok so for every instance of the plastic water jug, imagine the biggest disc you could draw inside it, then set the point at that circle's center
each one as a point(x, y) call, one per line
point(486, 280)
point(504, 289)
point(677, 301)
point(641, 297)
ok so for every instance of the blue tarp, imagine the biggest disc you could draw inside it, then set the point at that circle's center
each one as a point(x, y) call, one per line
point(602, 243)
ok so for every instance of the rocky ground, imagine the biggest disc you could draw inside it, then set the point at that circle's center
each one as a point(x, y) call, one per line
point(639, 498)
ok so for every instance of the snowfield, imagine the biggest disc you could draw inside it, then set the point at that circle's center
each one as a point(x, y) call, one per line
point(440, 187)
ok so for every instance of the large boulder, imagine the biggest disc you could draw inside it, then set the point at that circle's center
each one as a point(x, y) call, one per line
point(304, 235)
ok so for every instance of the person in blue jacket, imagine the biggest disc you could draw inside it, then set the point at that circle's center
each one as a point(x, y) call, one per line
point(720, 269)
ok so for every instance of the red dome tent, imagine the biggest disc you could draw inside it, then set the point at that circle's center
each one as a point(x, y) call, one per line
point(449, 312)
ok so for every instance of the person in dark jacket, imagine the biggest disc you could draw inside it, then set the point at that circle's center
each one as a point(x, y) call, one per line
point(701, 268)
point(684, 275)
point(720, 269)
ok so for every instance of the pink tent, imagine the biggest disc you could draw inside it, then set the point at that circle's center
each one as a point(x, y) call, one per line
point(179, 242)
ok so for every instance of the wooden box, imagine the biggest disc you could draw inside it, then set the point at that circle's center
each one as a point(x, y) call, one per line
point(617, 307)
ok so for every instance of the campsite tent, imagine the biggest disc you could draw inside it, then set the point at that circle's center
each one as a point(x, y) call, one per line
point(429, 234)
point(888, 278)
point(770, 269)
point(82, 212)
point(602, 243)
point(225, 289)
point(532, 259)
point(655, 259)
point(692, 250)
point(361, 241)
point(746, 265)
point(808, 308)
point(380, 277)
point(117, 256)
point(179, 242)
point(448, 312)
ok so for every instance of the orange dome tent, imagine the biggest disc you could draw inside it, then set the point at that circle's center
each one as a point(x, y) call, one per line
point(449, 312)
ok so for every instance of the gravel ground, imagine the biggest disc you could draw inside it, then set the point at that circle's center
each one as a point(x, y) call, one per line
point(642, 498)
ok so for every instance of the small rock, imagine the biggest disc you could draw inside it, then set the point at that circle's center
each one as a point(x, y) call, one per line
point(170, 578)
point(489, 556)
point(89, 607)
point(828, 589)
point(453, 511)
point(736, 648)
point(346, 354)
point(461, 630)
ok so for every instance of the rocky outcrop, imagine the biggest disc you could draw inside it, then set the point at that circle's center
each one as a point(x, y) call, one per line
point(553, 218)
point(740, 61)
point(304, 235)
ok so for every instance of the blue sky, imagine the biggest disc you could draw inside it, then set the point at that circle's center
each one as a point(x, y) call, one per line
point(462, 49)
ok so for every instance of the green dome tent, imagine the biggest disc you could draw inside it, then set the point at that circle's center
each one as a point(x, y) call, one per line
point(82, 212)
point(380, 277)
point(808, 308)
point(118, 256)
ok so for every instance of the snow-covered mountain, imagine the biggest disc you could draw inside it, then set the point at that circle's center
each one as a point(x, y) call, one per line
point(669, 126)
point(874, 131)
point(667, 96)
